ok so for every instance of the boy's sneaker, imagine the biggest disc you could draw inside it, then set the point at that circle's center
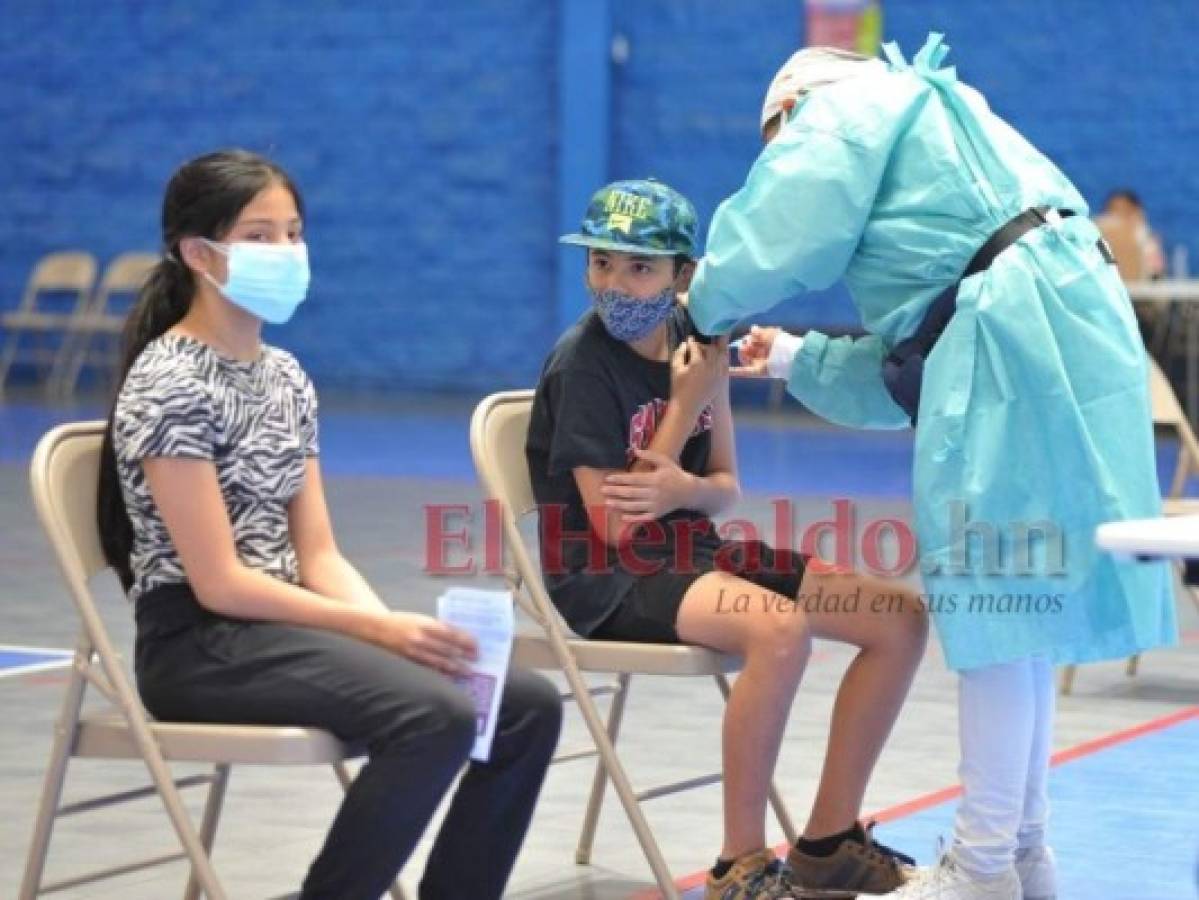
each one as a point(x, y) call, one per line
point(948, 881)
point(1037, 869)
point(859, 866)
point(756, 876)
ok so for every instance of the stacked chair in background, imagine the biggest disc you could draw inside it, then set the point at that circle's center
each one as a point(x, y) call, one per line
point(62, 313)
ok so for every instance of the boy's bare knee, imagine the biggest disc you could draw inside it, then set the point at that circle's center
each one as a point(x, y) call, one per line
point(784, 632)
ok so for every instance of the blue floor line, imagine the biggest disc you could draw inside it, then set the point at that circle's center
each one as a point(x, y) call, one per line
point(15, 660)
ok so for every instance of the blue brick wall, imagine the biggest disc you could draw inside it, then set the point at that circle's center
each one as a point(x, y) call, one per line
point(424, 136)
point(1110, 91)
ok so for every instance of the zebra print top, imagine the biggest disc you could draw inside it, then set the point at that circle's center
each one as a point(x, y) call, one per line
point(255, 420)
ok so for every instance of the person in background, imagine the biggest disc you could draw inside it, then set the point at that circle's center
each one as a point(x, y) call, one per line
point(1125, 226)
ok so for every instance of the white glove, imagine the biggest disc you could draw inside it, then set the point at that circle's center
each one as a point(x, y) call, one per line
point(782, 354)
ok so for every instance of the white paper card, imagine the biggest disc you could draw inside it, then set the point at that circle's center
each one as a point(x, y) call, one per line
point(487, 617)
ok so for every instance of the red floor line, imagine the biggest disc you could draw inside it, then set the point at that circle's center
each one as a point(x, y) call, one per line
point(1120, 737)
point(934, 798)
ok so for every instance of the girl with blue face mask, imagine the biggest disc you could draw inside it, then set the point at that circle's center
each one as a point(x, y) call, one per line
point(212, 512)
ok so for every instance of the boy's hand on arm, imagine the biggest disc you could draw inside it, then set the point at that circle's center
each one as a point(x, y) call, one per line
point(644, 495)
point(656, 484)
point(696, 373)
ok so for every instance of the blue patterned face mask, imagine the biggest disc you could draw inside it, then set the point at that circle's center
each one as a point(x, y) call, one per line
point(629, 318)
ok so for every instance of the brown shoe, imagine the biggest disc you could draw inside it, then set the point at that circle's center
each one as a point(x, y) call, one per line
point(755, 876)
point(859, 866)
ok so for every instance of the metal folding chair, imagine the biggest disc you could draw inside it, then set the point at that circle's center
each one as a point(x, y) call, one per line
point(69, 272)
point(497, 439)
point(123, 277)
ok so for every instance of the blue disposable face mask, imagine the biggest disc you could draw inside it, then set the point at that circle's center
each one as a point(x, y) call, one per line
point(629, 318)
point(266, 280)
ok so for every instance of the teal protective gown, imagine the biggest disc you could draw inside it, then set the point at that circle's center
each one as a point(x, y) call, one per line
point(1034, 422)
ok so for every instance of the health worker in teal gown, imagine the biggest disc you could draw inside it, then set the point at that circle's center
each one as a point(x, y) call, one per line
point(1032, 419)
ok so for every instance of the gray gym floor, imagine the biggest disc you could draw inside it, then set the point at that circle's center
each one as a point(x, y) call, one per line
point(276, 818)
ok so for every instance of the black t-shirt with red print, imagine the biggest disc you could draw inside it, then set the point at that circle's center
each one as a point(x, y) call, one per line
point(596, 401)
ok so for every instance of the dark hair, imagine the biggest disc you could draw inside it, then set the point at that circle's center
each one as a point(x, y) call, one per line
point(1124, 194)
point(203, 199)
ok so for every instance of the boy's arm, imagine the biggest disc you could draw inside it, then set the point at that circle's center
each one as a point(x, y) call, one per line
point(657, 485)
point(588, 439)
point(720, 488)
point(606, 520)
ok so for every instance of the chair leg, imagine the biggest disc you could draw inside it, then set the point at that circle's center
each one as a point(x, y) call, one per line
point(59, 365)
point(75, 357)
point(164, 782)
point(56, 776)
point(616, 772)
point(600, 781)
point(202, 869)
point(1068, 673)
point(212, 815)
point(345, 779)
point(8, 356)
point(1134, 662)
point(776, 797)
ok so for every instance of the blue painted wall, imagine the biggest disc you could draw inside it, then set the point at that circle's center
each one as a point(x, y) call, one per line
point(1108, 89)
point(422, 134)
point(426, 138)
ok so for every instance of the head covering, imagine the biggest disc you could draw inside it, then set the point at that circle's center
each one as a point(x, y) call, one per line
point(642, 216)
point(807, 69)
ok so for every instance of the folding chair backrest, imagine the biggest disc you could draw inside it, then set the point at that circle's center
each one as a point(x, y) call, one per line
point(64, 476)
point(124, 275)
point(1168, 411)
point(497, 442)
point(69, 270)
point(1166, 408)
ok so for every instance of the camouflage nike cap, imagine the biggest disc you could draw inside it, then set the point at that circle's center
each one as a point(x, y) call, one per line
point(643, 216)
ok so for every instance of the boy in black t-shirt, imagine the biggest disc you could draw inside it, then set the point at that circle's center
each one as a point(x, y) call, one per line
point(630, 451)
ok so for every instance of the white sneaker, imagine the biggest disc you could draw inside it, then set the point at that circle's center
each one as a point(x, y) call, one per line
point(1037, 869)
point(948, 881)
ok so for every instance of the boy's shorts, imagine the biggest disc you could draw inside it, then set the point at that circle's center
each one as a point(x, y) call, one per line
point(648, 613)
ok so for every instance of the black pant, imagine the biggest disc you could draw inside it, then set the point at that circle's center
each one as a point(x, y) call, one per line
point(415, 724)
